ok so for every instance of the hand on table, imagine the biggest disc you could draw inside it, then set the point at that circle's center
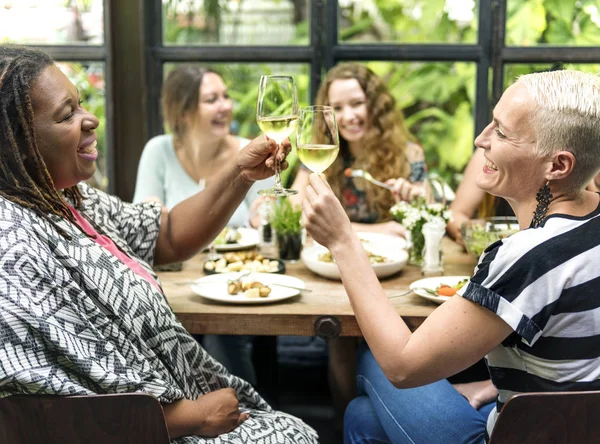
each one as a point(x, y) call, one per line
point(478, 393)
point(324, 217)
point(256, 160)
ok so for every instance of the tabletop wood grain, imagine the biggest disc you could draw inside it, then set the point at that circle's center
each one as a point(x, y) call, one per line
point(297, 316)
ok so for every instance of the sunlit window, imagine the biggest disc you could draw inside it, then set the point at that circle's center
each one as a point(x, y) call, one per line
point(558, 23)
point(52, 22)
point(235, 22)
point(408, 21)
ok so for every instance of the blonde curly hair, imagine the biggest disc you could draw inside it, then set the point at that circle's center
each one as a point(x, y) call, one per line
point(385, 141)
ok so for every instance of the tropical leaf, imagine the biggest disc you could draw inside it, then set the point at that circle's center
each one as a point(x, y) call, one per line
point(526, 25)
point(563, 10)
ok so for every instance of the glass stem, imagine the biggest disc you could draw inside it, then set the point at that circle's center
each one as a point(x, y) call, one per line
point(277, 171)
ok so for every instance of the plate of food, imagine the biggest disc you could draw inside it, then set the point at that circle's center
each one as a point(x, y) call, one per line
point(248, 288)
point(250, 260)
point(387, 255)
point(231, 239)
point(440, 288)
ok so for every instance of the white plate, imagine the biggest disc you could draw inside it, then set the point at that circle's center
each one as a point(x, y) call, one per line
point(214, 287)
point(391, 247)
point(433, 283)
point(249, 238)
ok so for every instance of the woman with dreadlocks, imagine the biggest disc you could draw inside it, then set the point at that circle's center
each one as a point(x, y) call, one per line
point(81, 311)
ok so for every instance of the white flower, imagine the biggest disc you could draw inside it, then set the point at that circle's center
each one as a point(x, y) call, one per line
point(460, 11)
point(411, 214)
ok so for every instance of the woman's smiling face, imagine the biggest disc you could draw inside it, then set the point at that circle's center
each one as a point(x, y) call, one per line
point(512, 169)
point(64, 131)
point(350, 105)
point(215, 107)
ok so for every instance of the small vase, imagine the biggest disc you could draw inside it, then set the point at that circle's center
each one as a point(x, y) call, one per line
point(289, 246)
point(416, 242)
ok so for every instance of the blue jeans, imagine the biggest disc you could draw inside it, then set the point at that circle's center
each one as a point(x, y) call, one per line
point(431, 414)
point(234, 352)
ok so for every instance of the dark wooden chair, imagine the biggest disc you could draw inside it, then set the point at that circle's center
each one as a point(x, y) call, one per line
point(569, 418)
point(116, 419)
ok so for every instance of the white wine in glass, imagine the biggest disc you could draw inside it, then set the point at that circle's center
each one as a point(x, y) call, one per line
point(277, 116)
point(317, 139)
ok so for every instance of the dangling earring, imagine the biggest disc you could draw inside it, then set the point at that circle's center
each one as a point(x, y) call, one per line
point(543, 198)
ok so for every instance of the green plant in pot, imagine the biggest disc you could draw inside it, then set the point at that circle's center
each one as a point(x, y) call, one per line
point(285, 220)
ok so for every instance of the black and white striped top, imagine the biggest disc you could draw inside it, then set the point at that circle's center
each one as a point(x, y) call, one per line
point(545, 283)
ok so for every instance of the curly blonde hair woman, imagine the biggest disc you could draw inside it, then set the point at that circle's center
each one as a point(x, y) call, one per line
point(373, 138)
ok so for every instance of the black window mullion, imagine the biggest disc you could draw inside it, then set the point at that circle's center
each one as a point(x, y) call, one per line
point(233, 53)
point(549, 54)
point(154, 65)
point(412, 52)
point(74, 53)
point(128, 93)
point(111, 170)
point(482, 105)
point(498, 44)
point(316, 46)
point(331, 30)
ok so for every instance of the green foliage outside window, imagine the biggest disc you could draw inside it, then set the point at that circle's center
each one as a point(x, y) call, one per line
point(437, 98)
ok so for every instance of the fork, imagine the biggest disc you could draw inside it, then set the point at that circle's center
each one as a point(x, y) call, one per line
point(349, 172)
point(428, 290)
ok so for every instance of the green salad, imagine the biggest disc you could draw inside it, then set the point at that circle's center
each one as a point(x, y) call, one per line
point(477, 239)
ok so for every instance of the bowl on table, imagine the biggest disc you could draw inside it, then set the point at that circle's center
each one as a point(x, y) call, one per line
point(478, 234)
point(387, 255)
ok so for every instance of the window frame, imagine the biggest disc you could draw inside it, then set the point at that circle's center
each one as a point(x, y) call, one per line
point(133, 45)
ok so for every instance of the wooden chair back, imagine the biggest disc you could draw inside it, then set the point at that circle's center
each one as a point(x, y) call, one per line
point(565, 417)
point(116, 419)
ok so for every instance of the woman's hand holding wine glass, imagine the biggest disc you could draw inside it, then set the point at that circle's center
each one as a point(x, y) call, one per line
point(277, 116)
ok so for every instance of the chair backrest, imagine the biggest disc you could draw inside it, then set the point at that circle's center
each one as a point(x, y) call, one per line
point(116, 419)
point(565, 417)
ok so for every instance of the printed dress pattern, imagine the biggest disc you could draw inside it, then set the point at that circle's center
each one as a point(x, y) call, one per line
point(74, 320)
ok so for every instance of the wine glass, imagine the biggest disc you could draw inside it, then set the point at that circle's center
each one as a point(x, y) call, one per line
point(317, 139)
point(277, 115)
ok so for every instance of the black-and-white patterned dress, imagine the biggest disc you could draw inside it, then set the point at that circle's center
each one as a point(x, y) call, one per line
point(74, 320)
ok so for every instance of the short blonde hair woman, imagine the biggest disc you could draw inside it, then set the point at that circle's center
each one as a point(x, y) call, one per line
point(531, 306)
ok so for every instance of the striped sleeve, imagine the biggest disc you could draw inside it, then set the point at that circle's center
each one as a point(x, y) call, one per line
point(481, 291)
point(522, 278)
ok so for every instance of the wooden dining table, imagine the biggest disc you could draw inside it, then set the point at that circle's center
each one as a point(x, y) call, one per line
point(325, 311)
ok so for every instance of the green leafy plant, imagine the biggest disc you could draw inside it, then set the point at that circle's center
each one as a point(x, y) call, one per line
point(285, 218)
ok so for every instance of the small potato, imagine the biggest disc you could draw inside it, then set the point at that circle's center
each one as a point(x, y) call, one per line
point(221, 263)
point(252, 293)
point(233, 288)
point(264, 291)
point(235, 266)
point(256, 284)
point(210, 265)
